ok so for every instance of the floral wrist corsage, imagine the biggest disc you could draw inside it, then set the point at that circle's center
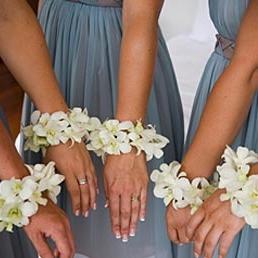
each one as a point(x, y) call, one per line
point(172, 185)
point(20, 198)
point(114, 137)
point(52, 129)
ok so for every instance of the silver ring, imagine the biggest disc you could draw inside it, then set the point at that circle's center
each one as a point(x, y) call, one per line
point(82, 181)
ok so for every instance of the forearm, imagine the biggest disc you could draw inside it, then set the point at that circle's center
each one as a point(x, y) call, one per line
point(137, 60)
point(11, 164)
point(23, 49)
point(223, 116)
point(229, 102)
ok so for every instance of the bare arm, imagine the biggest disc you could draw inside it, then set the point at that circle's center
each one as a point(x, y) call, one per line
point(23, 49)
point(138, 55)
point(229, 102)
point(11, 164)
point(126, 175)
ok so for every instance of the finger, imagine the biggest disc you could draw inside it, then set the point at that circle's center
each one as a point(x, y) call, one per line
point(173, 236)
point(92, 190)
point(75, 194)
point(126, 208)
point(200, 236)
point(194, 223)
point(225, 243)
point(41, 246)
point(70, 236)
point(135, 215)
point(60, 237)
point(114, 204)
point(143, 204)
point(182, 235)
point(85, 199)
point(211, 241)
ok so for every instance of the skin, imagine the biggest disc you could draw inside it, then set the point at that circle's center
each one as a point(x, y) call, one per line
point(50, 220)
point(126, 175)
point(229, 101)
point(24, 51)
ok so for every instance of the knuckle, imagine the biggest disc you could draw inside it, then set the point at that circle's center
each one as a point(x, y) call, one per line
point(126, 215)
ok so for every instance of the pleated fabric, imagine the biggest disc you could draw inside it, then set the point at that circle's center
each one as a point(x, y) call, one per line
point(84, 39)
point(226, 16)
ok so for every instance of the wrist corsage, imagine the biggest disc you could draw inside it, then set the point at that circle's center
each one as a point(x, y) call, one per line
point(172, 185)
point(114, 137)
point(241, 189)
point(20, 198)
point(52, 129)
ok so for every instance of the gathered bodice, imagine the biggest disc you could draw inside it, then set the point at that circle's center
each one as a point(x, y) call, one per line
point(107, 3)
point(227, 15)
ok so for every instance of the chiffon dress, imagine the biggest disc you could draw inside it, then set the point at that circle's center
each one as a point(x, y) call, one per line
point(226, 16)
point(84, 39)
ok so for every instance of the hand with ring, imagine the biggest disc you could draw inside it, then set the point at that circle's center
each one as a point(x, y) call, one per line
point(126, 182)
point(76, 165)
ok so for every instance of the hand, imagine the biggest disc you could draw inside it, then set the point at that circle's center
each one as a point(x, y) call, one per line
point(126, 182)
point(75, 164)
point(50, 221)
point(177, 222)
point(213, 223)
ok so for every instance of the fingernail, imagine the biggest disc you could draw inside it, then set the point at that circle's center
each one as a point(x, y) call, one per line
point(180, 244)
point(106, 205)
point(132, 233)
point(94, 206)
point(142, 219)
point(196, 255)
point(86, 215)
point(77, 213)
point(118, 236)
point(125, 239)
point(97, 191)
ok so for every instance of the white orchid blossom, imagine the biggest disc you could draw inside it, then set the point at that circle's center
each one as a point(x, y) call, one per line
point(173, 186)
point(20, 198)
point(115, 138)
point(49, 130)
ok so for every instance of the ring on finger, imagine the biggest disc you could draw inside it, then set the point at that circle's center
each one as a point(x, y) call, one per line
point(135, 199)
point(82, 181)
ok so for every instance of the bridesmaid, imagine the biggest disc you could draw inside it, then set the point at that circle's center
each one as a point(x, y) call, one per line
point(225, 112)
point(104, 53)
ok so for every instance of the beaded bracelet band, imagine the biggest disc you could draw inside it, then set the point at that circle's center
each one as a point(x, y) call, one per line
point(114, 138)
point(20, 198)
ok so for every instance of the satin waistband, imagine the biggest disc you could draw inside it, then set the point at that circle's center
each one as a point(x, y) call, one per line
point(225, 46)
point(103, 3)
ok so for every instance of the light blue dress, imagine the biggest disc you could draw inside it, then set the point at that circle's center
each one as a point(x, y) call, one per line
point(84, 40)
point(226, 16)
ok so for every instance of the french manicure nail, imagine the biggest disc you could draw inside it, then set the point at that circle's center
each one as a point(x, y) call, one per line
point(77, 213)
point(118, 236)
point(86, 215)
point(125, 239)
point(142, 219)
point(132, 233)
point(106, 205)
point(196, 255)
point(94, 206)
point(97, 191)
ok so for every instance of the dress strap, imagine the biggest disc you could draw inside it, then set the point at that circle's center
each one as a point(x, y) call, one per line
point(225, 46)
point(103, 3)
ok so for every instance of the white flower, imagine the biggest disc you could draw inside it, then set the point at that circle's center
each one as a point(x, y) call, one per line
point(17, 213)
point(240, 159)
point(245, 202)
point(170, 184)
